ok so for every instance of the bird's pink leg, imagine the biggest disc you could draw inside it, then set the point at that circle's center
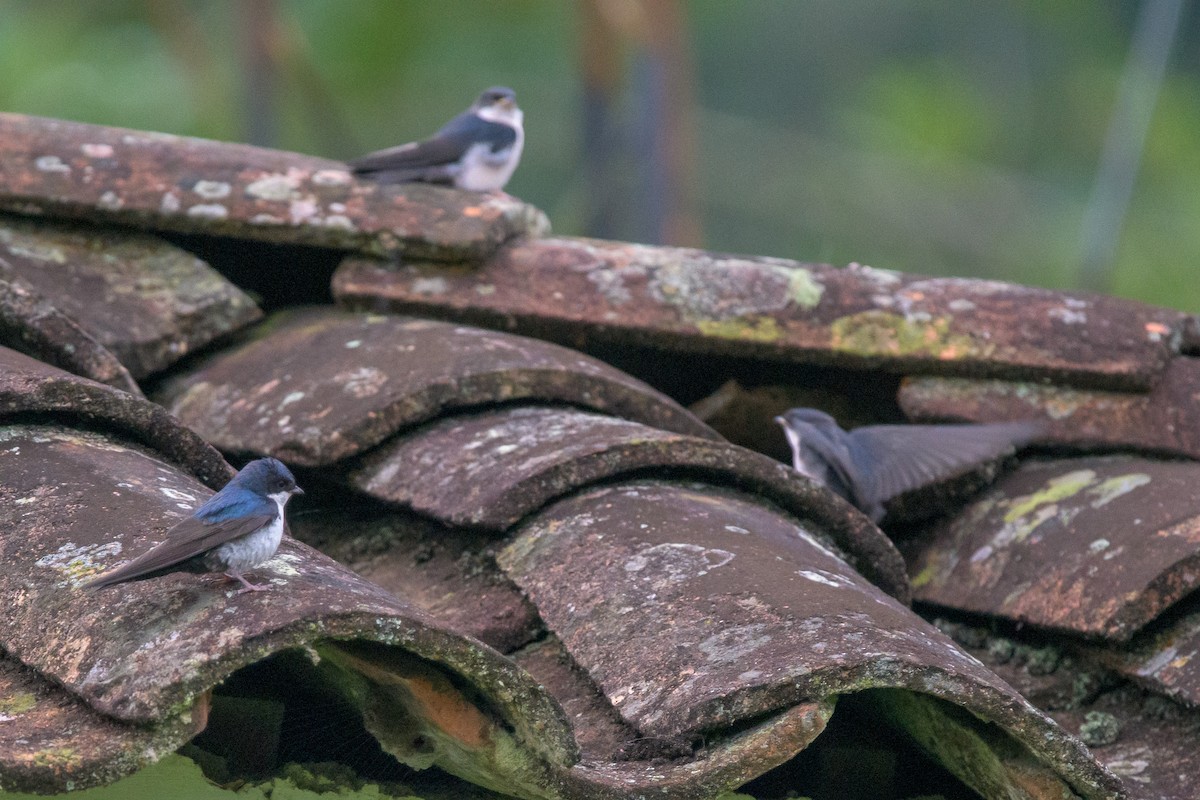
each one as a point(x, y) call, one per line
point(247, 586)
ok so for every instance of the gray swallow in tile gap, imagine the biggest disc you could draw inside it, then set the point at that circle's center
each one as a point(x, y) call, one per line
point(237, 529)
point(478, 150)
point(870, 465)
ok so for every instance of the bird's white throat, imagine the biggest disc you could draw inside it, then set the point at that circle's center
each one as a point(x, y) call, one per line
point(503, 116)
point(280, 499)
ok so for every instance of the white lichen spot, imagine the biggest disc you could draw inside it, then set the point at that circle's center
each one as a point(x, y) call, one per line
point(38, 252)
point(820, 576)
point(289, 398)
point(1131, 769)
point(110, 201)
point(733, 644)
point(736, 529)
point(331, 177)
point(883, 277)
point(1112, 488)
point(429, 286)
point(611, 284)
point(974, 286)
point(361, 382)
point(982, 554)
point(208, 211)
point(281, 565)
point(1068, 316)
point(750, 674)
point(170, 203)
point(1160, 660)
point(51, 164)
point(505, 449)
point(337, 208)
point(175, 494)
point(265, 219)
point(1099, 545)
point(212, 190)
point(277, 187)
point(339, 221)
point(631, 699)
point(353, 344)
point(384, 476)
point(961, 304)
point(78, 562)
point(672, 562)
point(96, 150)
point(485, 289)
point(302, 210)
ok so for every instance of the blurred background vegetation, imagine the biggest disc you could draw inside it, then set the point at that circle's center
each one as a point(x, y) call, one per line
point(1055, 144)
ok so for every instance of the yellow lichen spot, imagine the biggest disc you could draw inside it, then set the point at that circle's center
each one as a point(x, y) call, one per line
point(758, 329)
point(925, 576)
point(881, 333)
point(1056, 489)
point(14, 704)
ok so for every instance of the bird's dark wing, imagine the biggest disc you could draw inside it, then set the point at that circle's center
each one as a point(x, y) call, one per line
point(840, 473)
point(894, 459)
point(445, 147)
point(468, 129)
point(188, 539)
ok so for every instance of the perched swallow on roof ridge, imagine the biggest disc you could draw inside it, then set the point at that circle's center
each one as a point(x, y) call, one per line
point(478, 150)
point(235, 530)
point(870, 465)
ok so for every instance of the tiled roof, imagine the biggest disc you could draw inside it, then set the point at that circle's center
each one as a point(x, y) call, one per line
point(530, 568)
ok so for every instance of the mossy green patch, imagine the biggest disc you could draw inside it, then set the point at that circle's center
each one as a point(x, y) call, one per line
point(974, 752)
point(64, 757)
point(756, 329)
point(180, 778)
point(17, 703)
point(803, 289)
point(174, 776)
point(881, 333)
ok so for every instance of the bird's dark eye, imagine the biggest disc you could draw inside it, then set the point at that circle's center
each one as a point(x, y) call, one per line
point(281, 484)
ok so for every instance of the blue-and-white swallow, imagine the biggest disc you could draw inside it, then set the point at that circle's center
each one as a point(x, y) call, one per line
point(870, 465)
point(237, 529)
point(478, 150)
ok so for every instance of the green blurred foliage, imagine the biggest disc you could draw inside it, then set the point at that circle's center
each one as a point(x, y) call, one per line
point(930, 137)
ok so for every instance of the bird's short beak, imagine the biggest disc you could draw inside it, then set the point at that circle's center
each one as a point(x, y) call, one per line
point(781, 421)
point(297, 490)
point(507, 103)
